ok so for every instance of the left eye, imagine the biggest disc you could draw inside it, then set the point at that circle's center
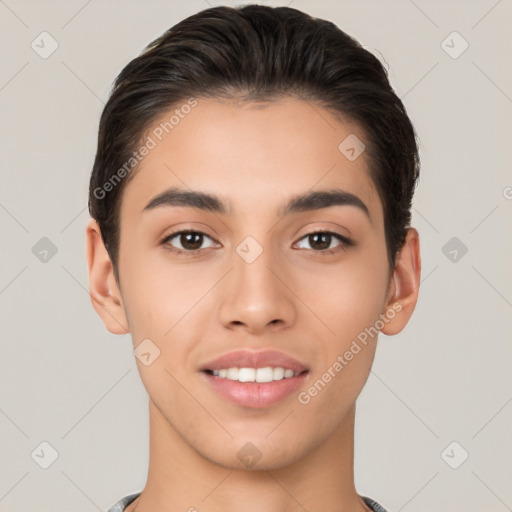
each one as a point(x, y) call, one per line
point(322, 240)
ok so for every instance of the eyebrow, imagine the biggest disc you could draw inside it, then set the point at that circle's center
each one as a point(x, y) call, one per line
point(314, 200)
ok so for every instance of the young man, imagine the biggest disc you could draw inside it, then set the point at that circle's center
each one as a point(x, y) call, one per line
point(251, 200)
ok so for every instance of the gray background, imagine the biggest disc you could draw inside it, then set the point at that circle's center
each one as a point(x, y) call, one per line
point(66, 381)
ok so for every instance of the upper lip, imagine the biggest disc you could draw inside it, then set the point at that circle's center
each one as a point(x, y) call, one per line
point(252, 359)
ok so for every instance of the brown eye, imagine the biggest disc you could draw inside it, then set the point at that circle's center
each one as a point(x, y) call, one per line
point(321, 241)
point(188, 241)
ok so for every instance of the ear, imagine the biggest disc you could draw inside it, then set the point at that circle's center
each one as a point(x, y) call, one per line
point(103, 288)
point(404, 286)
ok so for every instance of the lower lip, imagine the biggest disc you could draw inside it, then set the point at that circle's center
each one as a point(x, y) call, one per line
point(256, 395)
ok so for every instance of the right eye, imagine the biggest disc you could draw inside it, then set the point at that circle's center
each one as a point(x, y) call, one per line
point(189, 240)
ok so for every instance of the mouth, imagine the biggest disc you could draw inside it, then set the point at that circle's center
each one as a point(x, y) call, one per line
point(254, 388)
point(254, 379)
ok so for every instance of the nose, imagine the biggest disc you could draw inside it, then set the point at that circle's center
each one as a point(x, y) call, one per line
point(257, 295)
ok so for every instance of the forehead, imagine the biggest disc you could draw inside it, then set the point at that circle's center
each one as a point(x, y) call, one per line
point(251, 154)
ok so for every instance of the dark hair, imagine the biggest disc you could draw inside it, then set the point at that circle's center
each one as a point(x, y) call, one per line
point(257, 53)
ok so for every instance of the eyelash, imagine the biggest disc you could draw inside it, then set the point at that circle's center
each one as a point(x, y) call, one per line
point(345, 242)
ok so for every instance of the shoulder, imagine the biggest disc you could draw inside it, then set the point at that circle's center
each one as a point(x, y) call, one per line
point(121, 505)
point(374, 506)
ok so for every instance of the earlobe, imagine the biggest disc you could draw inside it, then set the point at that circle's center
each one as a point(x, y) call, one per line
point(104, 291)
point(404, 289)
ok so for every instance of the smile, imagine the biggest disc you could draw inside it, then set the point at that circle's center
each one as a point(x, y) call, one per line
point(267, 374)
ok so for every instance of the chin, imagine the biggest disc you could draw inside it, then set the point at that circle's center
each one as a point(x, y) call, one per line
point(254, 454)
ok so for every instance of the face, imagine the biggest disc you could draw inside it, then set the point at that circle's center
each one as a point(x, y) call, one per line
point(253, 275)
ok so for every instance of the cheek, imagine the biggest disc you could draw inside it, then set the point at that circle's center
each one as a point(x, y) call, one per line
point(163, 302)
point(349, 304)
point(346, 297)
point(157, 293)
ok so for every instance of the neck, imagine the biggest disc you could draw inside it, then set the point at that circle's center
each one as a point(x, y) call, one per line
point(180, 479)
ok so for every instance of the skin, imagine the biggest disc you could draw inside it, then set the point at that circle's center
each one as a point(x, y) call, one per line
point(294, 297)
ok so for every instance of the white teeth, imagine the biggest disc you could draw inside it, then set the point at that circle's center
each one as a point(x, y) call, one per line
point(232, 374)
point(264, 374)
point(246, 374)
point(267, 374)
point(278, 373)
point(288, 373)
